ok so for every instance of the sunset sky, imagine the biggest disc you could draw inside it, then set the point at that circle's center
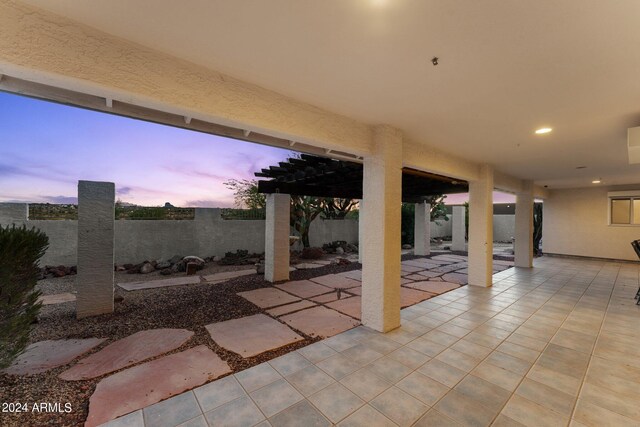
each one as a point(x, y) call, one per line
point(45, 148)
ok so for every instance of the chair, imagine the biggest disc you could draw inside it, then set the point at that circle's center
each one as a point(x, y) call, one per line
point(636, 247)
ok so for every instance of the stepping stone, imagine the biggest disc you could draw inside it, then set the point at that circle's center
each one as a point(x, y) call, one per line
point(412, 296)
point(333, 296)
point(304, 288)
point(404, 281)
point(424, 275)
point(252, 335)
point(503, 262)
point(162, 283)
point(151, 382)
point(355, 291)
point(320, 321)
point(349, 306)
point(436, 288)
point(44, 355)
point(307, 266)
point(354, 274)
point(336, 281)
point(228, 275)
point(410, 268)
point(458, 278)
point(57, 298)
point(290, 308)
point(446, 268)
point(126, 352)
point(268, 297)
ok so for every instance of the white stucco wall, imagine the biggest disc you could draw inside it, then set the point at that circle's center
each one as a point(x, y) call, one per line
point(575, 222)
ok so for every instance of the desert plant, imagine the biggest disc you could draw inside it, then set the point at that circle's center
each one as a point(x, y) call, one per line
point(20, 250)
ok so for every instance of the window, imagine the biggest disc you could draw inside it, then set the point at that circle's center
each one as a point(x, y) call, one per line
point(624, 208)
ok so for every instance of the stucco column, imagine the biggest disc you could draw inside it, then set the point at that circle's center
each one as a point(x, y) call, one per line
point(523, 246)
point(276, 244)
point(481, 228)
point(382, 191)
point(360, 230)
point(422, 229)
point(458, 242)
point(96, 225)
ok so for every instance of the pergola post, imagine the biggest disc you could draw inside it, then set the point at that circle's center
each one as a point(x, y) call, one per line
point(382, 191)
point(523, 246)
point(481, 228)
point(360, 229)
point(276, 245)
point(458, 232)
point(96, 234)
point(422, 229)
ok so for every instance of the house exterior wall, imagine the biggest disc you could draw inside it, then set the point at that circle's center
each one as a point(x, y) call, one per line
point(575, 222)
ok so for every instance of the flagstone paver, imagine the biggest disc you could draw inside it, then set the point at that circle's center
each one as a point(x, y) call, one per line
point(348, 306)
point(57, 298)
point(151, 382)
point(268, 297)
point(290, 308)
point(126, 352)
point(161, 283)
point(412, 296)
point(320, 321)
point(336, 281)
point(252, 335)
point(304, 288)
point(459, 278)
point(333, 296)
point(227, 275)
point(44, 355)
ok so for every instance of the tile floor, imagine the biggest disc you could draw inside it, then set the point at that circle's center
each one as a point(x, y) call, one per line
point(553, 345)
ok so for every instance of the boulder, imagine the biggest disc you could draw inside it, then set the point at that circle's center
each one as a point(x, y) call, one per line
point(166, 272)
point(175, 259)
point(339, 250)
point(163, 264)
point(147, 268)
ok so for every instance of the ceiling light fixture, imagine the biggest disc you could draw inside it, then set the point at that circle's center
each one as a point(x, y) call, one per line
point(581, 167)
point(542, 131)
point(596, 181)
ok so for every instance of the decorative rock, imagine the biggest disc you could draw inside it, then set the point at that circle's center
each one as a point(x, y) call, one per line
point(147, 268)
point(339, 250)
point(162, 265)
point(166, 272)
point(252, 335)
point(175, 259)
point(44, 355)
point(151, 382)
point(126, 352)
point(407, 246)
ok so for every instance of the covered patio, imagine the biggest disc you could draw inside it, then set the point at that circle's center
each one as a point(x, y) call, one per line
point(549, 346)
point(536, 101)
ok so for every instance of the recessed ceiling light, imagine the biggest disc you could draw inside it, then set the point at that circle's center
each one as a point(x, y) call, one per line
point(581, 167)
point(596, 181)
point(543, 130)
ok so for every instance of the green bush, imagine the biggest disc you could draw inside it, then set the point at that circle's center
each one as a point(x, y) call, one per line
point(20, 250)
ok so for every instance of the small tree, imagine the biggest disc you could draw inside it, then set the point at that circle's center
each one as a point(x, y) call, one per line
point(246, 194)
point(304, 209)
point(20, 250)
point(334, 208)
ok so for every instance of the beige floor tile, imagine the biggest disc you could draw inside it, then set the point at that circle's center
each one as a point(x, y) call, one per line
point(498, 376)
point(546, 396)
point(434, 418)
point(336, 402)
point(399, 406)
point(367, 416)
point(410, 358)
point(531, 414)
point(554, 379)
point(459, 360)
point(442, 372)
point(483, 392)
point(310, 380)
point(365, 384)
point(629, 406)
point(423, 388)
point(465, 410)
point(596, 416)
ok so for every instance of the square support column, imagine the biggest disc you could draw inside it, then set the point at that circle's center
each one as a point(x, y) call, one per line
point(481, 228)
point(422, 229)
point(277, 226)
point(523, 246)
point(382, 192)
point(96, 231)
point(458, 229)
point(360, 230)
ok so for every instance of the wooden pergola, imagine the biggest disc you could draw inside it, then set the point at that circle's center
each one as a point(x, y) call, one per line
point(318, 176)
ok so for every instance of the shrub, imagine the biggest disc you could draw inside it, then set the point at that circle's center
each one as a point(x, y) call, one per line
point(20, 250)
point(312, 253)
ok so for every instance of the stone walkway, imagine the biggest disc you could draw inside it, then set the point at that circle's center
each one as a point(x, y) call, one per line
point(549, 346)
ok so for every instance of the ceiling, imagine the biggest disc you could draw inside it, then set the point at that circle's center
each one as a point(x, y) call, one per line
point(506, 68)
